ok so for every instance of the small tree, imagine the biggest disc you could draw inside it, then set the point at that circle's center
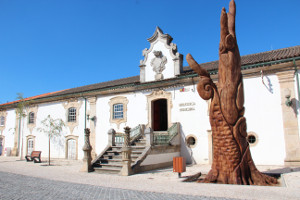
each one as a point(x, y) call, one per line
point(52, 128)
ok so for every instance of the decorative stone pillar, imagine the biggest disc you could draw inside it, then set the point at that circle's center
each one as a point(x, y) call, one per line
point(126, 154)
point(210, 146)
point(111, 137)
point(289, 116)
point(17, 137)
point(142, 73)
point(87, 159)
point(92, 101)
point(149, 136)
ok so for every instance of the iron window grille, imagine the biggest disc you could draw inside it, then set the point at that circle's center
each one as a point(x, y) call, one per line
point(2, 121)
point(31, 118)
point(72, 115)
point(118, 111)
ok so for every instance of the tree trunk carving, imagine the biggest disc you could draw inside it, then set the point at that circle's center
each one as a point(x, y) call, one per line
point(232, 161)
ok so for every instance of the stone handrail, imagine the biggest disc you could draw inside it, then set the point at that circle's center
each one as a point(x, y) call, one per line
point(162, 138)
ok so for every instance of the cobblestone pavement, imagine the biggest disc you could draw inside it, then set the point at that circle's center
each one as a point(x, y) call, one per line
point(62, 180)
point(16, 186)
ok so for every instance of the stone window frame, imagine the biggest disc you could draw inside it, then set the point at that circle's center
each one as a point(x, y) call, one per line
point(71, 137)
point(75, 103)
point(251, 133)
point(30, 137)
point(155, 95)
point(118, 100)
point(3, 113)
point(34, 110)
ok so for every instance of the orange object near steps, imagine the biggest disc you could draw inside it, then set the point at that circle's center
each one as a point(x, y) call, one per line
point(179, 164)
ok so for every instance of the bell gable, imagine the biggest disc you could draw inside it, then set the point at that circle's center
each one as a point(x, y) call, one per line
point(161, 60)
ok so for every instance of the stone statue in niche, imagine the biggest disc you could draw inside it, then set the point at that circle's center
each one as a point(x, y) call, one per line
point(232, 160)
point(158, 64)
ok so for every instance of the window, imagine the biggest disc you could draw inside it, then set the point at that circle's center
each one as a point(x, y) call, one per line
point(72, 114)
point(191, 141)
point(118, 111)
point(2, 121)
point(31, 118)
point(252, 139)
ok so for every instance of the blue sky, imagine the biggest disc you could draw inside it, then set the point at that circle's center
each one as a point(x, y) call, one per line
point(51, 45)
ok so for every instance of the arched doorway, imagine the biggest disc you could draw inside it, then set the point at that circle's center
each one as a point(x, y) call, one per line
point(160, 115)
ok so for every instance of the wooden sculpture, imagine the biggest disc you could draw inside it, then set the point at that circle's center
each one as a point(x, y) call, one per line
point(232, 161)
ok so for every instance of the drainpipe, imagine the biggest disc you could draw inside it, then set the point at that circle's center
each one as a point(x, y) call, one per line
point(297, 79)
point(84, 113)
point(19, 135)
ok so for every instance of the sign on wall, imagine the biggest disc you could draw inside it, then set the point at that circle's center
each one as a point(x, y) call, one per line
point(188, 106)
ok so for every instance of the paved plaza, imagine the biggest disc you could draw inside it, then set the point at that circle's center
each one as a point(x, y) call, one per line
point(26, 187)
point(62, 180)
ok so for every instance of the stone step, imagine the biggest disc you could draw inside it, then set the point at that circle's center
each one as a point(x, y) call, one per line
point(133, 157)
point(112, 165)
point(110, 161)
point(101, 170)
point(116, 152)
point(114, 160)
point(140, 145)
point(119, 148)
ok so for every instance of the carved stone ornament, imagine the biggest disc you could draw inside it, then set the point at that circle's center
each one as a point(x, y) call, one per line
point(232, 160)
point(158, 64)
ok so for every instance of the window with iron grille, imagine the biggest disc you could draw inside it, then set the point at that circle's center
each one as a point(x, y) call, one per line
point(72, 114)
point(2, 121)
point(118, 111)
point(31, 118)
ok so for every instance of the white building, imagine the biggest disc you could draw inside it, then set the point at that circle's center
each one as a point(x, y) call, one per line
point(163, 94)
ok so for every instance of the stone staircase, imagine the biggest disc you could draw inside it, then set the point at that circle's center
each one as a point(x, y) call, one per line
point(145, 146)
point(111, 161)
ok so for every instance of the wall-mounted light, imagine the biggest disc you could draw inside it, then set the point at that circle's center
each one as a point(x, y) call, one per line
point(287, 95)
point(92, 118)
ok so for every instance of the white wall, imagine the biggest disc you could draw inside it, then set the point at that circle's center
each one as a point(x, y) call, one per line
point(264, 117)
point(136, 114)
point(9, 131)
point(263, 114)
point(56, 111)
point(194, 122)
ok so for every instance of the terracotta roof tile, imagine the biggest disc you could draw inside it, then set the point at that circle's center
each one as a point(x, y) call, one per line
point(32, 98)
point(257, 58)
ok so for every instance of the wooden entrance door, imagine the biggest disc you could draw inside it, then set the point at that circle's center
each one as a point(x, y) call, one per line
point(160, 115)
